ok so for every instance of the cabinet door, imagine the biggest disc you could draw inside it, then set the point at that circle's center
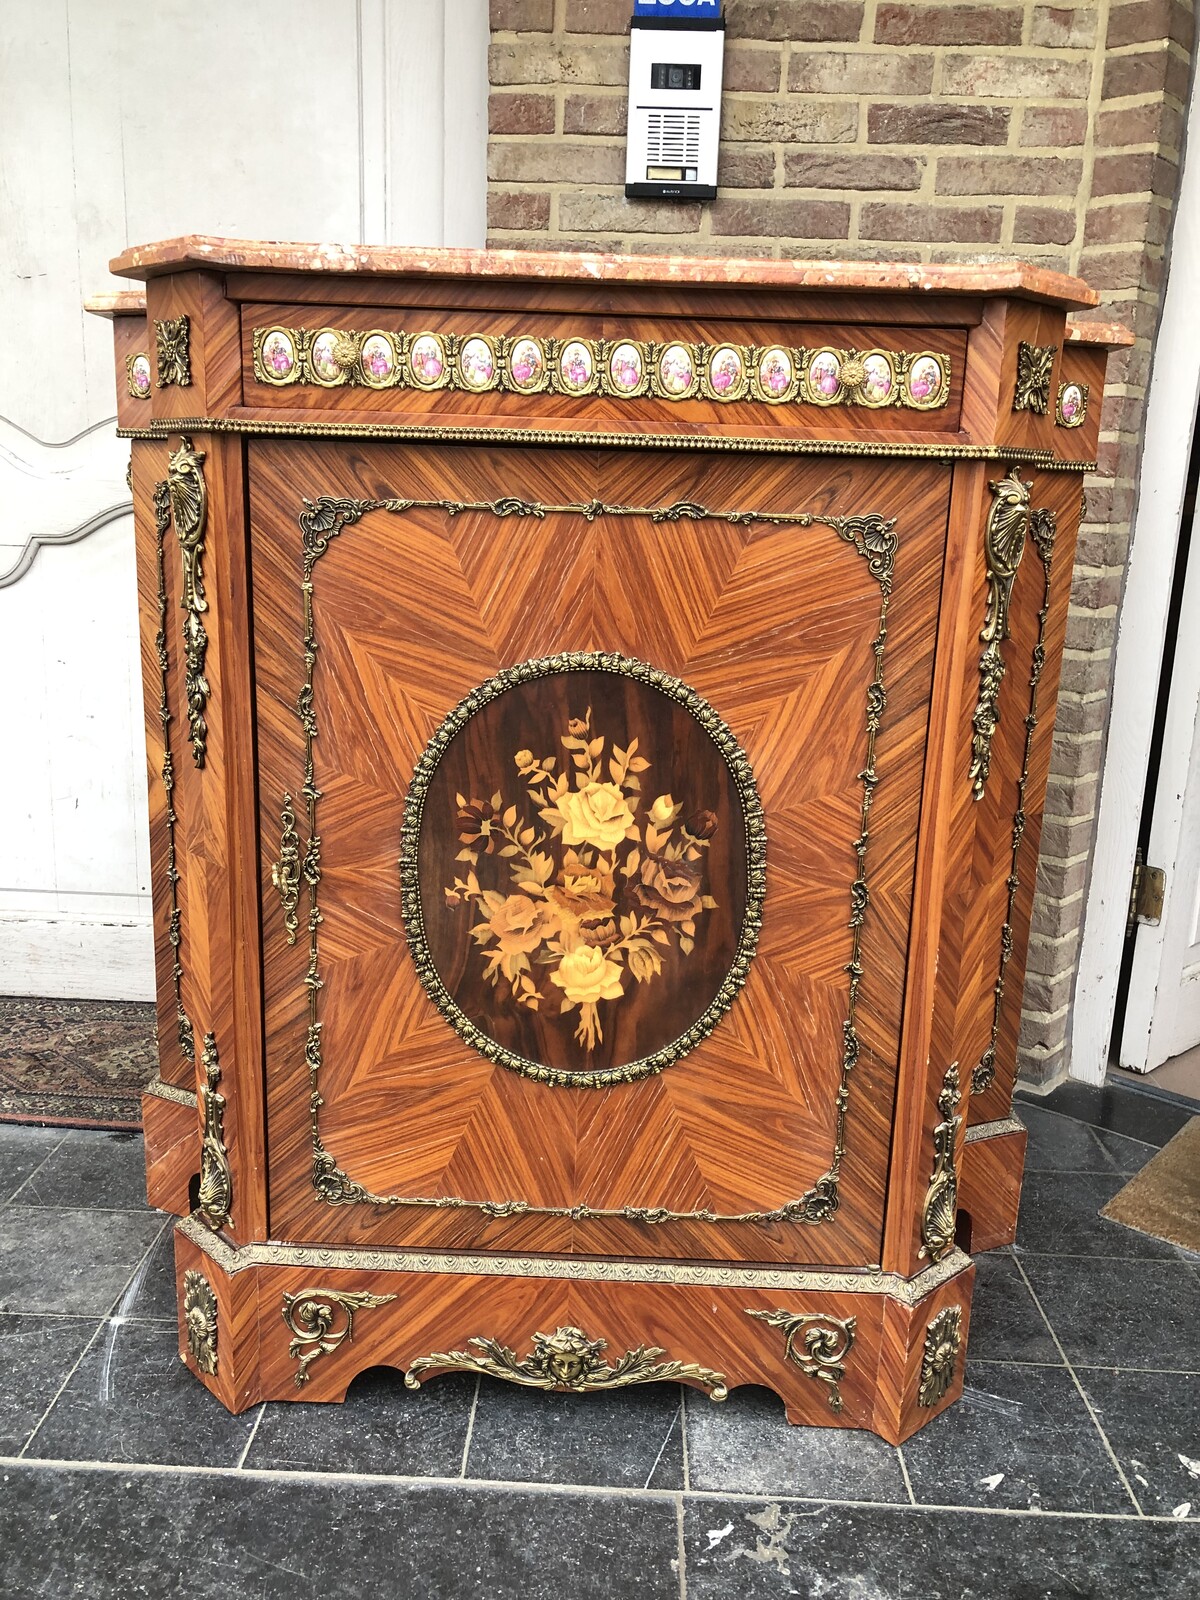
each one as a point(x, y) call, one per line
point(529, 721)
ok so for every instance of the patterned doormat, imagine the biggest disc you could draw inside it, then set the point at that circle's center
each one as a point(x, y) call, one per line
point(75, 1063)
point(1163, 1200)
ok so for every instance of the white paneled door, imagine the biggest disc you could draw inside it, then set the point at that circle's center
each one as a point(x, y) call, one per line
point(349, 121)
point(1162, 1014)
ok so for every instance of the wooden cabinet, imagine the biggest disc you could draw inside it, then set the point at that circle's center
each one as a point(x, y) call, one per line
point(599, 714)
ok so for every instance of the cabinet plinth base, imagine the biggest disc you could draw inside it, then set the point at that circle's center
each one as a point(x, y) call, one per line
point(856, 1349)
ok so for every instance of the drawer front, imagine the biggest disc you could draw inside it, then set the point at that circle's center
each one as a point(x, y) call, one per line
point(528, 721)
point(444, 367)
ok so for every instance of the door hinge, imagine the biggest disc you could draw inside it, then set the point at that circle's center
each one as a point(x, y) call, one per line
point(1146, 893)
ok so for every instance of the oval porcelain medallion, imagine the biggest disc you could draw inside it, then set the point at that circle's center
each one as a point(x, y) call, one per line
point(582, 868)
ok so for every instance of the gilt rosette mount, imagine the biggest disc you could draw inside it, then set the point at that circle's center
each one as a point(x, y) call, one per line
point(200, 1321)
point(583, 868)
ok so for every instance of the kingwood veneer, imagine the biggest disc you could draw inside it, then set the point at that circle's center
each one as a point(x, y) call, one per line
point(598, 715)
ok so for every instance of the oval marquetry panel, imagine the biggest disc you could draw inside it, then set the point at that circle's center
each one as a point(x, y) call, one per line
point(579, 882)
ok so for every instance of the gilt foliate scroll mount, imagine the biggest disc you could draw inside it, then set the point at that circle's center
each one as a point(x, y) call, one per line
point(1003, 546)
point(568, 1360)
point(188, 494)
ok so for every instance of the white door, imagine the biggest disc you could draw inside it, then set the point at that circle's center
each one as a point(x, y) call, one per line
point(1162, 1017)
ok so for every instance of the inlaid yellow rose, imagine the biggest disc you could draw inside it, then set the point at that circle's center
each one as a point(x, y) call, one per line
point(520, 924)
point(585, 976)
point(598, 814)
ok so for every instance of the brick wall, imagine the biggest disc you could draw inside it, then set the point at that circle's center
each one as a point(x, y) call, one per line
point(863, 129)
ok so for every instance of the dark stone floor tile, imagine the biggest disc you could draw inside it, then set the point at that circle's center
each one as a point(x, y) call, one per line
point(1152, 1420)
point(1114, 1106)
point(22, 1151)
point(736, 1550)
point(151, 1291)
point(121, 1535)
point(1027, 1427)
point(1006, 1324)
point(628, 1439)
point(382, 1427)
point(132, 1399)
point(748, 1444)
point(36, 1353)
point(1137, 1314)
point(71, 1261)
point(1060, 1216)
point(1127, 1155)
point(1061, 1144)
point(90, 1170)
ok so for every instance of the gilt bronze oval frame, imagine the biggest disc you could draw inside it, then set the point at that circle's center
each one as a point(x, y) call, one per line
point(741, 774)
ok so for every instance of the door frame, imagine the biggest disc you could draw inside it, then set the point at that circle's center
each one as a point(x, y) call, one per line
point(1171, 418)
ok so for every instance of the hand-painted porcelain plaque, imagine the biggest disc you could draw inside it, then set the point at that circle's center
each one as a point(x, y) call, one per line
point(1072, 405)
point(926, 379)
point(676, 370)
point(427, 361)
point(878, 379)
point(378, 360)
point(322, 356)
point(137, 369)
point(527, 364)
point(824, 377)
point(625, 368)
point(727, 372)
point(279, 354)
point(576, 366)
point(583, 893)
point(477, 363)
point(776, 374)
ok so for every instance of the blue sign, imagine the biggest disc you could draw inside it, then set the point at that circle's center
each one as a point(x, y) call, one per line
point(679, 10)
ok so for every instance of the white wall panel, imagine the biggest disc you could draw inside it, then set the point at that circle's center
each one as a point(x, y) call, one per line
point(342, 120)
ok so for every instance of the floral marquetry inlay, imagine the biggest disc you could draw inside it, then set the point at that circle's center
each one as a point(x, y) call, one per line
point(523, 363)
point(591, 916)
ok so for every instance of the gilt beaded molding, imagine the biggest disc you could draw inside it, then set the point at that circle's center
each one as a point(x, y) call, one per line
point(873, 538)
point(716, 441)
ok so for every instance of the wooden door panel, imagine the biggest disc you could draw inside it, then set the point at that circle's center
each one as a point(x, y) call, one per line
point(776, 626)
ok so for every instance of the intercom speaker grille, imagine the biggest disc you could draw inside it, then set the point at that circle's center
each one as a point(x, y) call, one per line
point(673, 139)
